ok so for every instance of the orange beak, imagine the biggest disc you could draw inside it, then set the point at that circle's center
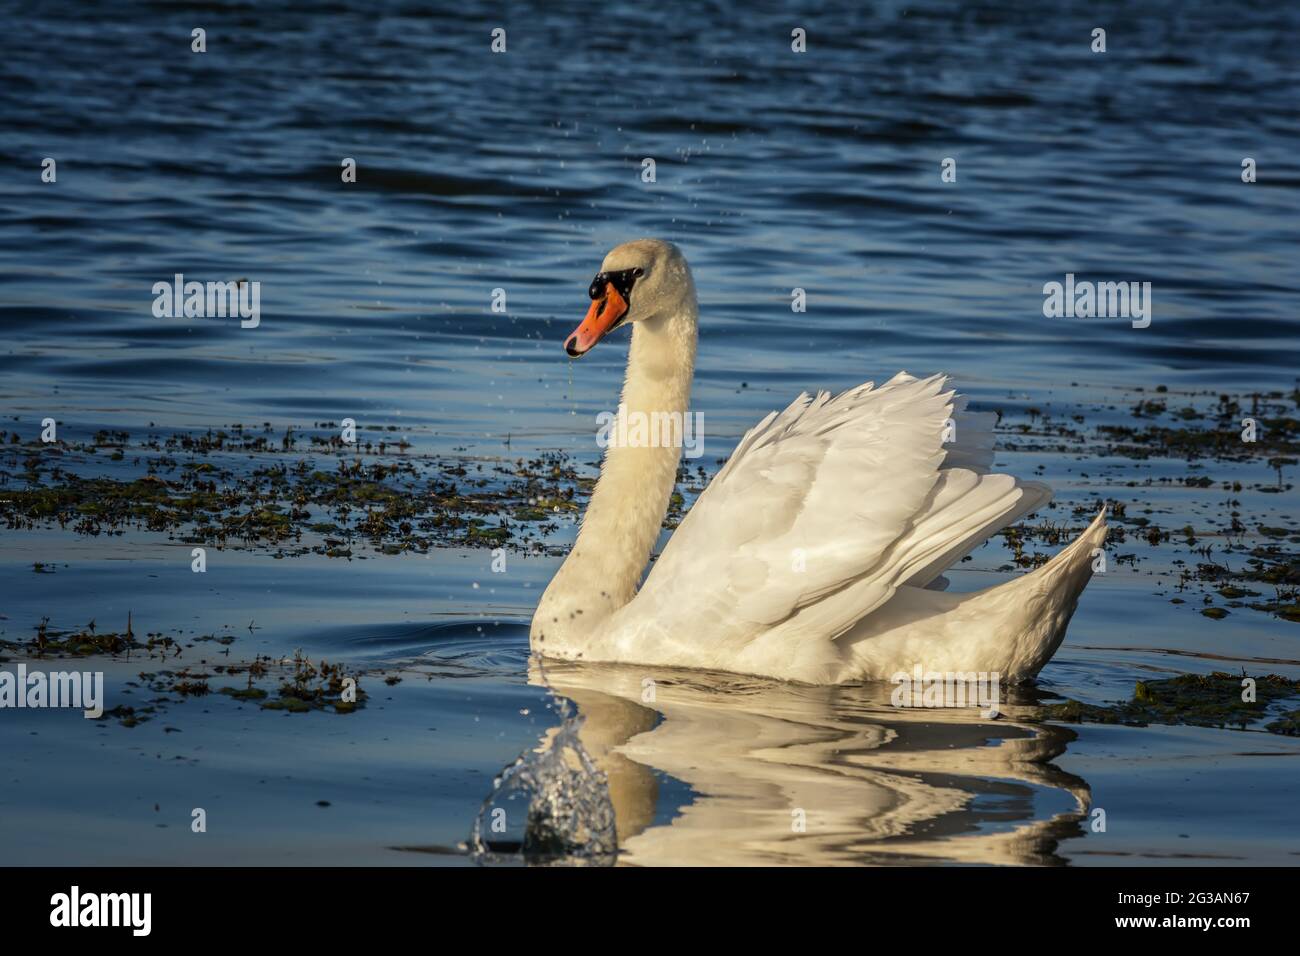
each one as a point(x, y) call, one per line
point(603, 315)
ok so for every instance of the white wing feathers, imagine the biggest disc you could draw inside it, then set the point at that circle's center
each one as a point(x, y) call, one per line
point(822, 512)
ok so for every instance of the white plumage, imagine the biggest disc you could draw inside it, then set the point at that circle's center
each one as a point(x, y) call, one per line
point(809, 554)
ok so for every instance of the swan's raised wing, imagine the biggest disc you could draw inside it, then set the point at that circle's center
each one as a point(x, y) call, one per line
point(821, 514)
point(813, 500)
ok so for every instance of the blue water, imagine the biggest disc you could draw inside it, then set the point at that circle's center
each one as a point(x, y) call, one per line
point(478, 171)
point(775, 170)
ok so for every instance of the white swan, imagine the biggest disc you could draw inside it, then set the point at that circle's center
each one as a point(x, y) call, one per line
point(814, 554)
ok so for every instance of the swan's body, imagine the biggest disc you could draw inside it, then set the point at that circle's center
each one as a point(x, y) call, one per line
point(812, 553)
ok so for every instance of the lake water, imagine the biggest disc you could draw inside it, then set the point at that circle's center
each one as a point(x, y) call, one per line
point(774, 170)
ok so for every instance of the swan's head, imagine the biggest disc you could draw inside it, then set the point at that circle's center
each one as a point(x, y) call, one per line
point(639, 281)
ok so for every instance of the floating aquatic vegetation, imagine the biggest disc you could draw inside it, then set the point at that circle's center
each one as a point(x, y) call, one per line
point(1220, 439)
point(1199, 700)
point(304, 685)
point(322, 686)
point(1288, 724)
point(1236, 563)
point(53, 642)
point(551, 807)
point(1271, 566)
point(339, 497)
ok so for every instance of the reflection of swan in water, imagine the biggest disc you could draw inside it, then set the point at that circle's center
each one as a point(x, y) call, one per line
point(873, 783)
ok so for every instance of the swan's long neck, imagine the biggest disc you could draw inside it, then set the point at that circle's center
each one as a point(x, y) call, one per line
point(627, 507)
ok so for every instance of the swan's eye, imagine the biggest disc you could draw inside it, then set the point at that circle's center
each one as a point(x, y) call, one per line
point(621, 280)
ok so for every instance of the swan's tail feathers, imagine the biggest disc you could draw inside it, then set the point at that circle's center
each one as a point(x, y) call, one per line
point(1051, 593)
point(1075, 562)
point(1012, 628)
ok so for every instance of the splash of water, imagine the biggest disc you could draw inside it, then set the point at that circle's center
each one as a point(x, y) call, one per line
point(551, 807)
